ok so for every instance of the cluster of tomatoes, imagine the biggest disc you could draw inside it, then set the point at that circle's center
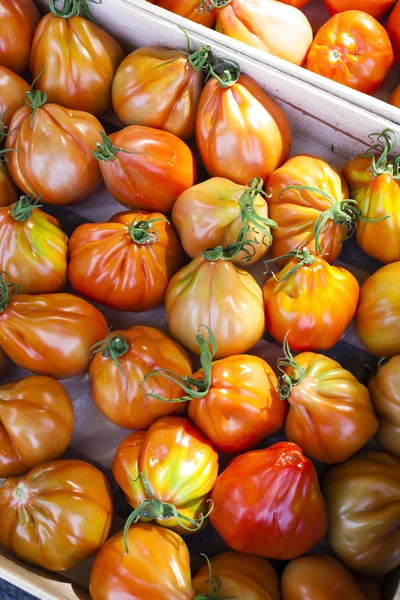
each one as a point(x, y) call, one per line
point(188, 246)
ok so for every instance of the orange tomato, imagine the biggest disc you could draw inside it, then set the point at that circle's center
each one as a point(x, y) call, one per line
point(18, 21)
point(159, 88)
point(240, 132)
point(36, 424)
point(274, 27)
point(375, 8)
point(296, 3)
point(8, 191)
point(298, 212)
point(12, 93)
point(189, 9)
point(119, 388)
point(395, 97)
point(385, 394)
point(393, 29)
point(354, 49)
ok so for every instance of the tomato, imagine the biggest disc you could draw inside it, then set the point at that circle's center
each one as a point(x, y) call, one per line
point(240, 132)
point(3, 362)
point(33, 248)
point(354, 49)
point(375, 8)
point(8, 191)
point(378, 313)
point(268, 503)
point(219, 295)
point(36, 424)
point(171, 464)
point(146, 168)
point(393, 29)
point(237, 575)
point(296, 302)
point(157, 566)
point(276, 28)
point(395, 97)
point(330, 415)
point(362, 497)
point(57, 516)
point(12, 93)
point(385, 394)
point(215, 211)
point(48, 131)
point(159, 88)
point(117, 376)
point(18, 21)
point(189, 9)
point(49, 334)
point(296, 3)
point(316, 577)
point(125, 264)
point(305, 216)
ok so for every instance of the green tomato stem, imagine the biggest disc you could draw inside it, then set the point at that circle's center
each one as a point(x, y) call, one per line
point(113, 347)
point(285, 381)
point(8, 290)
point(72, 8)
point(143, 232)
point(214, 586)
point(385, 142)
point(22, 210)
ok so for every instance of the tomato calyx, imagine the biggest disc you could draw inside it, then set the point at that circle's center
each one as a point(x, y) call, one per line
point(35, 99)
point(107, 150)
point(194, 388)
point(22, 210)
point(214, 586)
point(385, 142)
point(207, 6)
point(72, 8)
point(225, 71)
point(8, 290)
point(251, 221)
point(111, 347)
point(302, 255)
point(287, 382)
point(143, 232)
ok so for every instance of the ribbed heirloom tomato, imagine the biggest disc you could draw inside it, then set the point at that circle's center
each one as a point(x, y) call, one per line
point(375, 8)
point(385, 394)
point(189, 9)
point(36, 423)
point(12, 94)
point(18, 21)
point(393, 29)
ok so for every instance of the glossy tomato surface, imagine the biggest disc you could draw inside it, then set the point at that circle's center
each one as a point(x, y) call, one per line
point(354, 49)
point(157, 566)
point(125, 264)
point(8, 191)
point(51, 334)
point(190, 10)
point(363, 501)
point(81, 60)
point(240, 132)
point(159, 88)
point(36, 423)
point(330, 415)
point(18, 18)
point(120, 390)
point(385, 394)
point(178, 464)
point(375, 8)
point(268, 503)
point(378, 313)
point(12, 93)
point(69, 135)
point(57, 516)
point(221, 296)
point(296, 3)
point(393, 29)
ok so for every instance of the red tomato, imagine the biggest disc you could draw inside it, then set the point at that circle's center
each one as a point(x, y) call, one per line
point(36, 424)
point(189, 9)
point(57, 516)
point(118, 370)
point(385, 394)
point(378, 313)
point(395, 97)
point(146, 168)
point(296, 3)
point(49, 334)
point(80, 59)
point(268, 502)
point(33, 248)
point(296, 302)
point(393, 29)
point(125, 264)
point(12, 93)
point(166, 474)
point(157, 566)
point(18, 21)
point(354, 49)
point(159, 88)
point(375, 8)
point(240, 132)
point(276, 28)
point(8, 191)
point(48, 132)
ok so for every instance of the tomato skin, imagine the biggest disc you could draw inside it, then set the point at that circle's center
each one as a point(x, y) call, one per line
point(375, 8)
point(12, 93)
point(68, 134)
point(208, 215)
point(179, 464)
point(108, 267)
point(121, 397)
point(81, 60)
point(188, 9)
point(158, 88)
point(242, 575)
point(330, 415)
point(296, 211)
point(19, 18)
point(316, 577)
point(354, 49)
point(33, 252)
point(378, 313)
point(242, 406)
point(156, 568)
point(62, 329)
point(276, 28)
point(240, 132)
point(393, 29)
point(295, 3)
point(385, 394)
point(36, 424)
point(395, 97)
point(221, 296)
point(299, 304)
point(362, 496)
point(161, 168)
point(8, 191)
